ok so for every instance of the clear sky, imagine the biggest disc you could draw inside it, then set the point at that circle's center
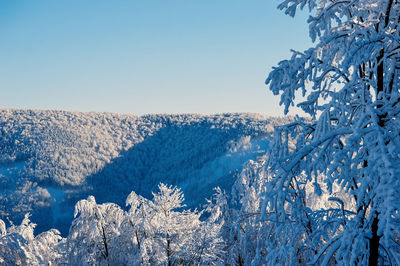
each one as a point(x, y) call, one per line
point(149, 56)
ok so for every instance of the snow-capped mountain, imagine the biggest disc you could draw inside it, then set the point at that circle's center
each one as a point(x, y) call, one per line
point(51, 159)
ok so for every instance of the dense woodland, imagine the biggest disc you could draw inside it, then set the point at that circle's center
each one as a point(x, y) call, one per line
point(49, 160)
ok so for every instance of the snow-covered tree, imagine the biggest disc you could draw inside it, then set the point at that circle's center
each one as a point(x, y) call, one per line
point(247, 226)
point(173, 228)
point(210, 248)
point(19, 246)
point(350, 86)
point(136, 229)
point(93, 236)
point(162, 232)
point(13, 242)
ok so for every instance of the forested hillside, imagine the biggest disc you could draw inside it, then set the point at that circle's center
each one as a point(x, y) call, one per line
point(51, 159)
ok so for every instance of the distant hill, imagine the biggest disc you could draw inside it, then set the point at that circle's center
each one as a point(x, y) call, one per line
point(51, 159)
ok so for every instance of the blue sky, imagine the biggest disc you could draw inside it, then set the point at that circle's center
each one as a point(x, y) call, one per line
point(154, 56)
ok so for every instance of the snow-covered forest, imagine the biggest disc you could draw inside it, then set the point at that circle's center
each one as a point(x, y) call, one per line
point(76, 187)
point(317, 191)
point(49, 160)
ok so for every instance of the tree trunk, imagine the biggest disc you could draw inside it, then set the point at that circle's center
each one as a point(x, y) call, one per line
point(374, 243)
point(105, 243)
point(169, 250)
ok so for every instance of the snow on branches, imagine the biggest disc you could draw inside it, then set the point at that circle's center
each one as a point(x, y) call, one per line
point(351, 83)
point(151, 232)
